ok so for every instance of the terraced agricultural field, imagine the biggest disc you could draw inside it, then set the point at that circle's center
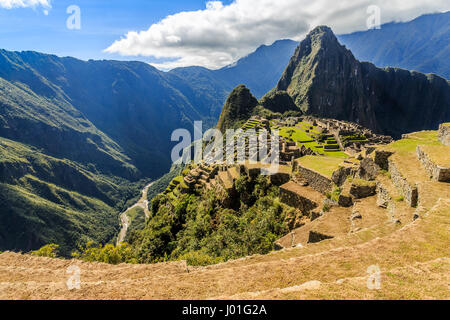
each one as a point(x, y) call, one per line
point(301, 137)
point(323, 165)
point(250, 124)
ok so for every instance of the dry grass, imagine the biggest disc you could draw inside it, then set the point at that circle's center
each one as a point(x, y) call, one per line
point(405, 158)
point(425, 281)
point(394, 251)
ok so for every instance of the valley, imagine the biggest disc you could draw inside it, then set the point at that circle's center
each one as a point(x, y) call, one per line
point(125, 220)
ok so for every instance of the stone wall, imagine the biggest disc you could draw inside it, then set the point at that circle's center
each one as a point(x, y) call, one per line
point(444, 134)
point(315, 180)
point(407, 190)
point(383, 195)
point(315, 237)
point(295, 200)
point(279, 178)
point(436, 172)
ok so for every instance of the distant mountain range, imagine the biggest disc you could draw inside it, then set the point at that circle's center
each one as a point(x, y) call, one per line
point(259, 71)
point(422, 44)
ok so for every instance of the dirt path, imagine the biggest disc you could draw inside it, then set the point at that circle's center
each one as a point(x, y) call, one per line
point(125, 221)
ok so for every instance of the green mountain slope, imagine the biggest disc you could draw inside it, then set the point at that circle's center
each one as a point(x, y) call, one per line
point(59, 129)
point(49, 200)
point(131, 102)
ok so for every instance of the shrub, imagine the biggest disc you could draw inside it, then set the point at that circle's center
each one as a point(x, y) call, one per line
point(334, 195)
point(49, 251)
point(199, 230)
point(199, 258)
point(107, 254)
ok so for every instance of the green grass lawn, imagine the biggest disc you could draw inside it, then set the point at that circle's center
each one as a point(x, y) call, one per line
point(409, 145)
point(295, 134)
point(323, 165)
point(307, 126)
point(336, 154)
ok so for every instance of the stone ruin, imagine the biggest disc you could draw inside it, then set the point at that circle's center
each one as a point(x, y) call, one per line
point(351, 137)
point(444, 134)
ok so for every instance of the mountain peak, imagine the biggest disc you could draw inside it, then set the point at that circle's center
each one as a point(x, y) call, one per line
point(320, 31)
point(238, 107)
point(323, 35)
point(325, 79)
point(319, 45)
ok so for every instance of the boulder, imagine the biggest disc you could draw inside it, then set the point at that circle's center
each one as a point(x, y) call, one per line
point(340, 175)
point(356, 215)
point(345, 201)
point(381, 158)
point(362, 189)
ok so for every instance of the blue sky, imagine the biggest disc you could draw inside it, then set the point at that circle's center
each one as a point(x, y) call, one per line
point(173, 33)
point(102, 22)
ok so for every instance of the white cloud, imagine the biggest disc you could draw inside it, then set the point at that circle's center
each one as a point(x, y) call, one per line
point(220, 34)
point(11, 4)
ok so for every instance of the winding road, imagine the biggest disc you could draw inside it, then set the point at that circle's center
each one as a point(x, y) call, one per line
point(125, 221)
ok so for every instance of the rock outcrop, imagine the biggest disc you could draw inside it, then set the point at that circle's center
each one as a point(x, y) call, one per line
point(368, 169)
point(360, 189)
